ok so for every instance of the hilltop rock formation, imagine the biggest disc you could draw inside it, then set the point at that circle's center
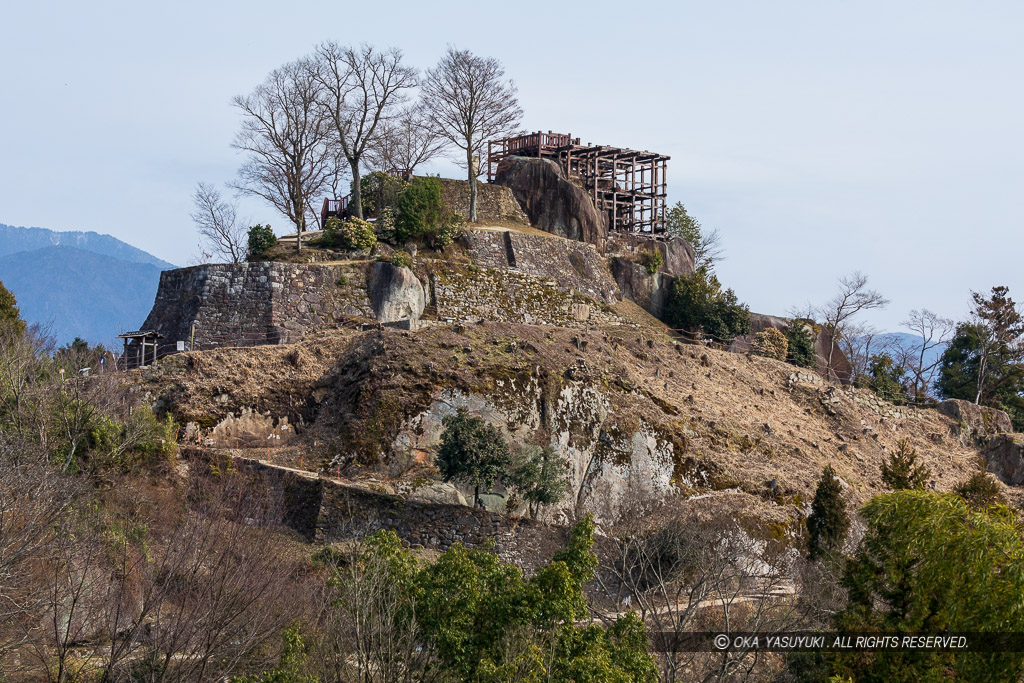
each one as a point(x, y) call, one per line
point(552, 202)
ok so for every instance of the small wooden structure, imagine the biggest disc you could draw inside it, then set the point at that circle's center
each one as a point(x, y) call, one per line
point(630, 185)
point(334, 207)
point(143, 351)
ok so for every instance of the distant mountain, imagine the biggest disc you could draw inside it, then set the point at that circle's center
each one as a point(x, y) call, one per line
point(80, 293)
point(14, 239)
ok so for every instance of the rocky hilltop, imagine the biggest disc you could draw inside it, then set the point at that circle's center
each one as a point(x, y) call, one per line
point(546, 326)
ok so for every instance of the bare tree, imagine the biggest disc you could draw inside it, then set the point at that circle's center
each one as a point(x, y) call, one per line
point(359, 88)
point(859, 343)
point(934, 331)
point(696, 573)
point(840, 312)
point(217, 220)
point(406, 141)
point(285, 135)
point(470, 102)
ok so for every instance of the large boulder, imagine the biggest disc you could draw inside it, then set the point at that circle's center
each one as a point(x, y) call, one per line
point(647, 290)
point(976, 421)
point(396, 294)
point(1004, 457)
point(552, 202)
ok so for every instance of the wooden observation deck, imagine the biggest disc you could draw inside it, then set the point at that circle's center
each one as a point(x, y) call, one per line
point(630, 185)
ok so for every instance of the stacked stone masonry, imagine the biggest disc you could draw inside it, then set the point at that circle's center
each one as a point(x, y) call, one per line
point(573, 266)
point(254, 303)
point(476, 294)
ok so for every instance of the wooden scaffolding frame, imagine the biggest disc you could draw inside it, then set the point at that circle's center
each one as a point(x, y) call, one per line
point(631, 186)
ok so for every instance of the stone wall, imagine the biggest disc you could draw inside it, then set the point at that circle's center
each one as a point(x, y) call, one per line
point(474, 294)
point(248, 304)
point(493, 202)
point(329, 511)
point(573, 266)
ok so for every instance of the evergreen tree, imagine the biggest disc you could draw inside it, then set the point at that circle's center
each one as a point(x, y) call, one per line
point(1002, 384)
point(697, 304)
point(800, 338)
point(981, 492)
point(930, 564)
point(10, 316)
point(902, 472)
point(538, 475)
point(707, 245)
point(472, 452)
point(828, 522)
point(885, 378)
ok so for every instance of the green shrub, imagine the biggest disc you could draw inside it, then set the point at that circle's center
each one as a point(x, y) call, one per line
point(401, 259)
point(261, 239)
point(770, 343)
point(981, 492)
point(800, 340)
point(902, 472)
point(697, 304)
point(379, 191)
point(884, 378)
point(419, 209)
point(449, 231)
point(930, 564)
point(385, 226)
point(331, 228)
point(651, 260)
point(355, 234)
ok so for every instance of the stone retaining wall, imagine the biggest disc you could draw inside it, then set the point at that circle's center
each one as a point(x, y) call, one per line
point(328, 511)
point(573, 266)
point(253, 303)
point(475, 294)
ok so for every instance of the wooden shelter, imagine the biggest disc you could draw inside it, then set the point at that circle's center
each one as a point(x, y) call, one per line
point(143, 350)
point(630, 185)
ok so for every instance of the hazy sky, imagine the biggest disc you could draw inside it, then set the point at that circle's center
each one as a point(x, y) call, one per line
point(819, 137)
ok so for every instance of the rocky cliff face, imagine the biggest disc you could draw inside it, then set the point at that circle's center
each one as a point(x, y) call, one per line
point(552, 202)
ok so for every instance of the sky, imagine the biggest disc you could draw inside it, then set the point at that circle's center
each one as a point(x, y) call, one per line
point(818, 137)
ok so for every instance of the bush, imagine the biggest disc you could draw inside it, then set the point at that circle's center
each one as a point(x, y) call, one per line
point(385, 226)
point(770, 343)
point(902, 472)
point(449, 231)
point(419, 209)
point(828, 522)
point(261, 239)
point(928, 563)
point(981, 492)
point(651, 260)
point(884, 378)
point(350, 234)
point(800, 340)
point(380, 192)
point(401, 259)
point(697, 304)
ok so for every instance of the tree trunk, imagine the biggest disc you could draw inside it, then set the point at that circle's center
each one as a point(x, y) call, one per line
point(472, 185)
point(476, 495)
point(356, 204)
point(300, 225)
